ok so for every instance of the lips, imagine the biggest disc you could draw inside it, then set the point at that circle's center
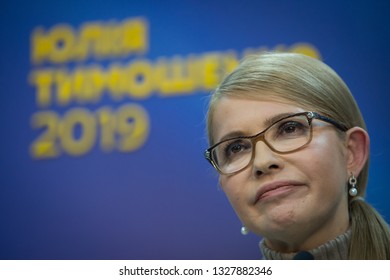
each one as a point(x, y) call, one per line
point(275, 188)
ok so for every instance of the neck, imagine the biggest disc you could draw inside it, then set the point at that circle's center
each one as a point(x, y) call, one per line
point(335, 249)
point(304, 238)
point(305, 242)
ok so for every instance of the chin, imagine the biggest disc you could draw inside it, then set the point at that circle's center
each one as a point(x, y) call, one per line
point(281, 221)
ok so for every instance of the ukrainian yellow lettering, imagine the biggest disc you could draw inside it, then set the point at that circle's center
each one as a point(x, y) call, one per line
point(93, 40)
point(42, 80)
point(140, 79)
point(55, 46)
point(63, 82)
point(211, 71)
point(134, 36)
point(40, 45)
point(116, 82)
point(88, 84)
point(175, 77)
point(230, 61)
point(136, 80)
point(62, 43)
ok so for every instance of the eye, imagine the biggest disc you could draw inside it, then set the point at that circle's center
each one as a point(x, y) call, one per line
point(292, 128)
point(236, 147)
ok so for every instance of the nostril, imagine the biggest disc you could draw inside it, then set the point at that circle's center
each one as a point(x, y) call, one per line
point(273, 166)
point(259, 173)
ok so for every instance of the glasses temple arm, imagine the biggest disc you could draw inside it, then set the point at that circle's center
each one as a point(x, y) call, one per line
point(340, 126)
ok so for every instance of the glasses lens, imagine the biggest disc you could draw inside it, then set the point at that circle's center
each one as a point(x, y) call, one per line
point(286, 135)
point(232, 155)
point(289, 134)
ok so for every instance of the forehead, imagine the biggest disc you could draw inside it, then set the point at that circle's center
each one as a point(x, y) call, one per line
point(247, 116)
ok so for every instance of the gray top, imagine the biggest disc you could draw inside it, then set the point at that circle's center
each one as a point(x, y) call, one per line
point(336, 249)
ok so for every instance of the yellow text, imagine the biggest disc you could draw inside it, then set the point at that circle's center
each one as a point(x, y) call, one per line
point(62, 43)
point(79, 130)
point(138, 79)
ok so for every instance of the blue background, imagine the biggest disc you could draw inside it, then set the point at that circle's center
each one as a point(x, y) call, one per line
point(163, 200)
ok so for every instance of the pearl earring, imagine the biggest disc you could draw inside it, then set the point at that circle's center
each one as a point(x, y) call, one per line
point(244, 230)
point(352, 182)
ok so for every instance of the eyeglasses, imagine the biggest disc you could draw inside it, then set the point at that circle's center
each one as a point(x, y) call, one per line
point(286, 135)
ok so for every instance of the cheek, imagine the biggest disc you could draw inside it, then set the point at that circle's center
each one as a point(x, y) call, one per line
point(326, 166)
point(234, 189)
point(327, 152)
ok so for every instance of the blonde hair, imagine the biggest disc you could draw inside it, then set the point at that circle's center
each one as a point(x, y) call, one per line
point(310, 83)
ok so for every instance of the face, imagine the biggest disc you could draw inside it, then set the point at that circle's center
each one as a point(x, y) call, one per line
point(296, 201)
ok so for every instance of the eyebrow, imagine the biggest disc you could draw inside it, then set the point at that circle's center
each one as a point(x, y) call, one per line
point(267, 123)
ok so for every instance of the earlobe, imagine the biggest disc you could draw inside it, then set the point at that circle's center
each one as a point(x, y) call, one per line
point(357, 143)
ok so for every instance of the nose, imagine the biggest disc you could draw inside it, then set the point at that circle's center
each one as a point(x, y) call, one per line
point(265, 161)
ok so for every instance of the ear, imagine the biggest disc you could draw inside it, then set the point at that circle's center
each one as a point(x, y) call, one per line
point(358, 146)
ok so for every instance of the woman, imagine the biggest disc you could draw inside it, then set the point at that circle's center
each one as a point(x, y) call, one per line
point(292, 150)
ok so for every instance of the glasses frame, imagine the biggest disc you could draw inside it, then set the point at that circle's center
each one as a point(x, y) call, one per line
point(310, 115)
